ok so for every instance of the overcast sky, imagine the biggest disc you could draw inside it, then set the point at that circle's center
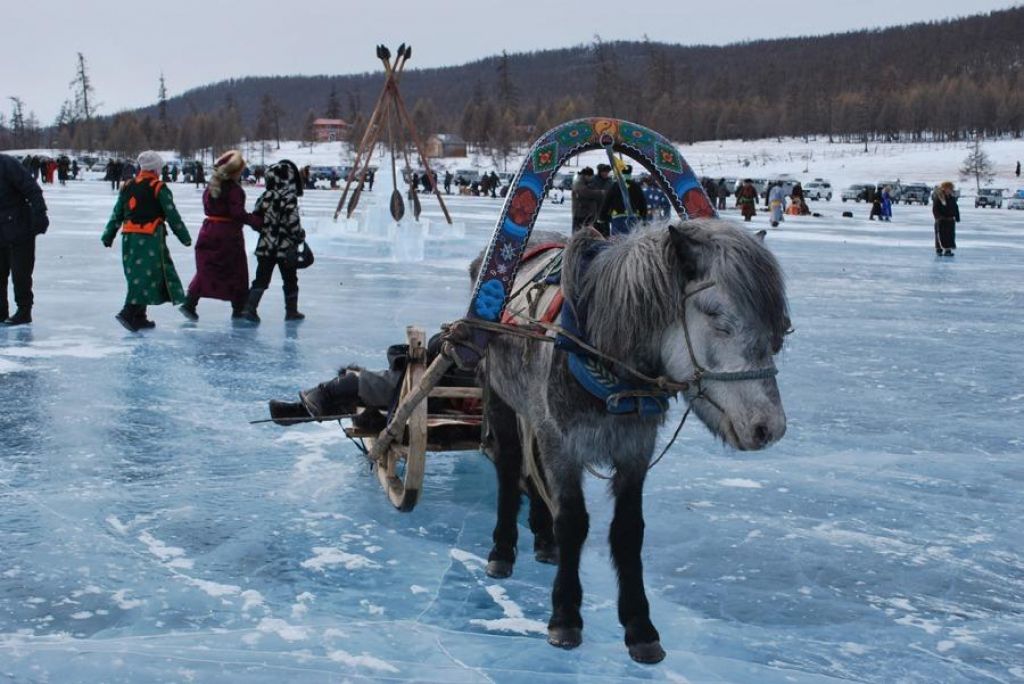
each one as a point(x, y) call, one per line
point(128, 45)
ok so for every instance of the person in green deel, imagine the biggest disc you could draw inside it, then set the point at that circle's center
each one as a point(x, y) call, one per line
point(144, 209)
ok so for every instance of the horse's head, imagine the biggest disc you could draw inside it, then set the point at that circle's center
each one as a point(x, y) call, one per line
point(732, 320)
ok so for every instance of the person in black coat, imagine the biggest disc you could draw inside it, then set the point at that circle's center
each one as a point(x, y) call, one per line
point(946, 214)
point(22, 218)
point(613, 209)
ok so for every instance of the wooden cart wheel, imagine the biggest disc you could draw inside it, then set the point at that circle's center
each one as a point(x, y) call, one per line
point(403, 491)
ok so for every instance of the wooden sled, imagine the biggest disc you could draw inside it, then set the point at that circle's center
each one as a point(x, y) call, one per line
point(401, 468)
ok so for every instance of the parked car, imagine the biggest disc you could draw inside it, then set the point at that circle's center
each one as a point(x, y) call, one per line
point(895, 189)
point(818, 189)
point(915, 193)
point(858, 192)
point(1017, 201)
point(787, 182)
point(467, 175)
point(188, 170)
point(563, 180)
point(989, 197)
point(89, 161)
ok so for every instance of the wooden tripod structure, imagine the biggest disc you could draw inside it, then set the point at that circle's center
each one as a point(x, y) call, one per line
point(390, 107)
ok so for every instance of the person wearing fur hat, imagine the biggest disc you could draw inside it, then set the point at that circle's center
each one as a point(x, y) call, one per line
point(280, 237)
point(946, 213)
point(222, 269)
point(144, 209)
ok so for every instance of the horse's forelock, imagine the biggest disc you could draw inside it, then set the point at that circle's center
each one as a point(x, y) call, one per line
point(751, 276)
point(633, 289)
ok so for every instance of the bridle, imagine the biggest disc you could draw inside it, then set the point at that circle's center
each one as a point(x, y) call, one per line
point(700, 373)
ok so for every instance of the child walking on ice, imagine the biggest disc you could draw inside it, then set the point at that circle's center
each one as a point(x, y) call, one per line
point(145, 206)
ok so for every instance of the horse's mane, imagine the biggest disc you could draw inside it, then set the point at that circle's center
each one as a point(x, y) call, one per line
point(634, 287)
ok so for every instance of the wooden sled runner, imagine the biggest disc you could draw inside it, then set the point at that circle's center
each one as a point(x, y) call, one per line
point(401, 468)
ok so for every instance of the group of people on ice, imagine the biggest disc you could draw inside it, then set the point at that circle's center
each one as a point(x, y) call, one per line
point(600, 199)
point(145, 210)
point(44, 169)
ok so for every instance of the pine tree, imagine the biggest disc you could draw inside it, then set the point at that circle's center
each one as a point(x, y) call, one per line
point(18, 133)
point(308, 133)
point(162, 113)
point(508, 93)
point(85, 103)
point(333, 106)
point(977, 165)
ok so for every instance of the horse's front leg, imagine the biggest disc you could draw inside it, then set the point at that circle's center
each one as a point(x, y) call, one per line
point(508, 461)
point(626, 538)
point(565, 628)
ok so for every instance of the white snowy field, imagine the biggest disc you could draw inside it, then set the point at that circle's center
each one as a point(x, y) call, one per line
point(148, 532)
point(841, 163)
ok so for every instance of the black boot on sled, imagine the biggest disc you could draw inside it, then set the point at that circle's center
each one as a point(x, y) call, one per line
point(288, 412)
point(335, 397)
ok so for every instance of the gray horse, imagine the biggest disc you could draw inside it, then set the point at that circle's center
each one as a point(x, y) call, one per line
point(703, 304)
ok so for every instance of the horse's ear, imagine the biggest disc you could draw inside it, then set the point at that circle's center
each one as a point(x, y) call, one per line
point(761, 234)
point(686, 249)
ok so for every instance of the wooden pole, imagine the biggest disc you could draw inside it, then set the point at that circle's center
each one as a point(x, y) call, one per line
point(401, 416)
point(419, 149)
point(370, 135)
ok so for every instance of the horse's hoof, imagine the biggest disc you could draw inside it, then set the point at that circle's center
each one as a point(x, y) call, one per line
point(546, 554)
point(499, 569)
point(649, 653)
point(565, 637)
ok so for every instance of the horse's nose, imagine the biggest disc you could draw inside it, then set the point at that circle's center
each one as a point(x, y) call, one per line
point(763, 435)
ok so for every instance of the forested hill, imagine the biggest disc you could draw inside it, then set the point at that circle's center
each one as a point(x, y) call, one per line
point(945, 79)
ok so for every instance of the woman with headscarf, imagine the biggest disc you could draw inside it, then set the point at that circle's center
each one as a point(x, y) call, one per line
point(280, 237)
point(143, 212)
point(222, 270)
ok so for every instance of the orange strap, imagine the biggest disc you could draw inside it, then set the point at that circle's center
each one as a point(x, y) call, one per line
point(142, 228)
point(220, 219)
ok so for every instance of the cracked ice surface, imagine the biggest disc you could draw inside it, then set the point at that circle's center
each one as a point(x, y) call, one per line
point(149, 533)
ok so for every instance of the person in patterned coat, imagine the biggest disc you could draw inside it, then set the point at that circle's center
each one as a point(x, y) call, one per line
point(144, 209)
point(280, 237)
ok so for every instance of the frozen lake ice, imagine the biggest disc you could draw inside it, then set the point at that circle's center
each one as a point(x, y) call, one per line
point(148, 532)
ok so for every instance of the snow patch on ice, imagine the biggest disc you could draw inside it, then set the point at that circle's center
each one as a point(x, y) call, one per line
point(514, 625)
point(252, 598)
point(327, 556)
point(945, 646)
point(118, 526)
point(514, 620)
point(740, 482)
point(78, 348)
point(282, 629)
point(471, 561)
point(214, 589)
point(364, 660)
point(172, 556)
point(123, 602)
point(10, 367)
point(417, 589)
